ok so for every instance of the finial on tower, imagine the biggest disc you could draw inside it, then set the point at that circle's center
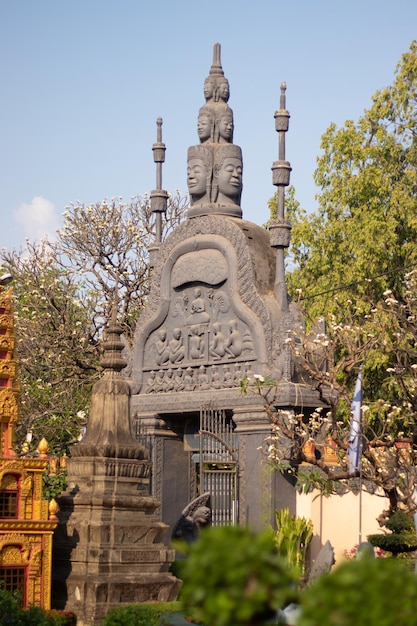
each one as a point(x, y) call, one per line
point(159, 197)
point(280, 228)
point(216, 67)
point(214, 167)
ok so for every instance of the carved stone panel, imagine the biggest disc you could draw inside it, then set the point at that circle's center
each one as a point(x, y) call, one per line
point(205, 341)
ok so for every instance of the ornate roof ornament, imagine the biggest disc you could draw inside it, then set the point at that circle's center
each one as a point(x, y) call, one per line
point(280, 228)
point(214, 169)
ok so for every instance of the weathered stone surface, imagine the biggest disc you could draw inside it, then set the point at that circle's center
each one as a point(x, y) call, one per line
point(108, 548)
point(218, 312)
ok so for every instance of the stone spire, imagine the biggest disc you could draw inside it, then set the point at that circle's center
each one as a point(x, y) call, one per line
point(214, 167)
point(280, 227)
point(159, 197)
point(108, 432)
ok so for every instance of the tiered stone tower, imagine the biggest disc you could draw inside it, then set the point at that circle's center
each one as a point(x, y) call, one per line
point(107, 549)
point(218, 312)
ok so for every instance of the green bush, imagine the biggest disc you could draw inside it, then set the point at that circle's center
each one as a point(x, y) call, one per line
point(400, 522)
point(402, 537)
point(233, 576)
point(146, 614)
point(11, 614)
point(364, 592)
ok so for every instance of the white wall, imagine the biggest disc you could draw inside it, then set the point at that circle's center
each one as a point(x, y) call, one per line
point(337, 519)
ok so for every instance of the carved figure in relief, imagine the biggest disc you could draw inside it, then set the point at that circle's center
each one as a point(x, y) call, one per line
point(151, 382)
point(216, 382)
point(217, 348)
point(223, 89)
point(224, 125)
point(162, 349)
point(238, 375)
point(248, 371)
point(188, 379)
point(228, 377)
point(198, 313)
point(227, 174)
point(202, 378)
point(234, 345)
point(169, 380)
point(179, 380)
point(205, 123)
point(196, 343)
point(159, 381)
point(176, 346)
point(209, 88)
point(199, 173)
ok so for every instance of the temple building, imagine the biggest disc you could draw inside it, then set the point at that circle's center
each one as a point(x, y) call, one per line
point(27, 522)
point(218, 313)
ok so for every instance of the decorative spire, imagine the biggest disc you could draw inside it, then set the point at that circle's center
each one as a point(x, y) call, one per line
point(280, 228)
point(108, 429)
point(214, 167)
point(216, 67)
point(159, 197)
point(112, 359)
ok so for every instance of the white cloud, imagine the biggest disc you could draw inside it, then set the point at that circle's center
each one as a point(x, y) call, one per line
point(39, 219)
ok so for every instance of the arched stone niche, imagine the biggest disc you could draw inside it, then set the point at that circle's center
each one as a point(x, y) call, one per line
point(205, 326)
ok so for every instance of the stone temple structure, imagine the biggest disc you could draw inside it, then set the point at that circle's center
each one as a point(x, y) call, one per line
point(218, 312)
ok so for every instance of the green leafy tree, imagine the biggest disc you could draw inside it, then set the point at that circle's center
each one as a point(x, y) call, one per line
point(362, 237)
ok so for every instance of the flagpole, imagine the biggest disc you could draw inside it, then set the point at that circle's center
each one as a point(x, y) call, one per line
point(355, 442)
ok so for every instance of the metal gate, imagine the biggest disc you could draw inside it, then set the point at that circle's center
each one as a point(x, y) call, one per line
point(219, 469)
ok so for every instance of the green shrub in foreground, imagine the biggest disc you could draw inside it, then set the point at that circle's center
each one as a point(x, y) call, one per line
point(11, 614)
point(146, 614)
point(234, 577)
point(364, 592)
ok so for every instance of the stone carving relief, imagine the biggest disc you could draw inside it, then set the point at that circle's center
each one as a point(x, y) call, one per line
point(214, 168)
point(199, 346)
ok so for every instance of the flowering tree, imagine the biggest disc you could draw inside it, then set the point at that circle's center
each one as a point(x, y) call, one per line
point(361, 239)
point(63, 294)
point(384, 347)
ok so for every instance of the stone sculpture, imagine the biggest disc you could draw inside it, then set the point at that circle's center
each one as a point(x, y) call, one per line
point(195, 516)
point(214, 168)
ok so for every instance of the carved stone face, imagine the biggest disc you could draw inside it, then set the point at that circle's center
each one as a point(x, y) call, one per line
point(204, 126)
point(197, 173)
point(230, 177)
point(208, 89)
point(223, 90)
point(226, 127)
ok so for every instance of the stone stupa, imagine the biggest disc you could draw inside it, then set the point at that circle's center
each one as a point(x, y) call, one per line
point(107, 547)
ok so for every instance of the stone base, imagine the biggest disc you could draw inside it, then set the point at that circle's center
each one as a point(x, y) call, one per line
point(92, 597)
point(108, 551)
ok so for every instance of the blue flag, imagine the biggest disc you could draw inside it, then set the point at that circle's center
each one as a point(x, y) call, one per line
point(354, 441)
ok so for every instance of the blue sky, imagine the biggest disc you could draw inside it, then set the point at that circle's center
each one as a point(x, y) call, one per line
point(83, 82)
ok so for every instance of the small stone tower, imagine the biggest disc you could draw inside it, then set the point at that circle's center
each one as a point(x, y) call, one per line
point(107, 549)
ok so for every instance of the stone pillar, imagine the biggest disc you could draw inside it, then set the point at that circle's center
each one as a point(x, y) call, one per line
point(263, 489)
